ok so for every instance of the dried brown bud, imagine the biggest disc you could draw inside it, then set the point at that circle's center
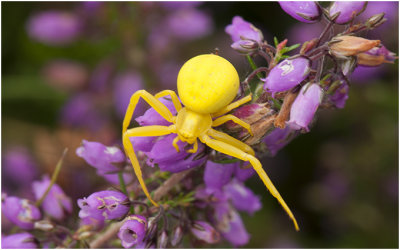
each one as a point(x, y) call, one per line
point(343, 46)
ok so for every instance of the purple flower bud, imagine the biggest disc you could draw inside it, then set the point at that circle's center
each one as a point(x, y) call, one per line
point(133, 231)
point(244, 46)
point(376, 56)
point(124, 86)
point(94, 220)
point(19, 241)
point(217, 175)
point(20, 211)
point(230, 224)
point(304, 11)
point(242, 197)
point(348, 10)
point(242, 174)
point(56, 204)
point(242, 30)
point(177, 236)
point(278, 138)
point(305, 106)
point(162, 240)
point(110, 204)
point(54, 27)
point(340, 96)
point(168, 159)
point(100, 157)
point(205, 232)
point(189, 23)
point(286, 75)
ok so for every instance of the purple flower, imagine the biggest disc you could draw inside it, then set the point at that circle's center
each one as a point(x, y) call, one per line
point(124, 86)
point(205, 232)
point(364, 75)
point(133, 231)
point(179, 4)
point(242, 174)
point(54, 27)
point(242, 30)
point(305, 106)
point(278, 138)
point(81, 111)
point(18, 241)
point(376, 56)
point(217, 175)
point(18, 166)
point(56, 203)
point(152, 117)
point(94, 220)
point(286, 75)
point(230, 225)
point(168, 159)
point(304, 11)
point(101, 76)
point(110, 204)
point(348, 10)
point(101, 157)
point(301, 32)
point(20, 211)
point(242, 197)
point(188, 24)
point(244, 46)
point(340, 96)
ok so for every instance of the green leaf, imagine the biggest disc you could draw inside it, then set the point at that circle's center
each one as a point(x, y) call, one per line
point(276, 41)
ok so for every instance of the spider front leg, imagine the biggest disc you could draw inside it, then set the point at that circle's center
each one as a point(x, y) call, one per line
point(221, 136)
point(236, 152)
point(221, 120)
point(152, 101)
point(143, 131)
point(231, 106)
point(174, 98)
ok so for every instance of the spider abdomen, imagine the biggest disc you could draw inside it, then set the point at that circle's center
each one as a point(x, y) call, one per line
point(207, 83)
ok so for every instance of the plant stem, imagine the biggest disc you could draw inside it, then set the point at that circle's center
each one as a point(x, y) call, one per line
point(122, 182)
point(53, 178)
point(253, 65)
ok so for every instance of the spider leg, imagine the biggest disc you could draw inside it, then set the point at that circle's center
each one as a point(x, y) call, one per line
point(225, 118)
point(154, 103)
point(175, 143)
point(220, 136)
point(143, 131)
point(236, 152)
point(194, 149)
point(174, 98)
point(231, 106)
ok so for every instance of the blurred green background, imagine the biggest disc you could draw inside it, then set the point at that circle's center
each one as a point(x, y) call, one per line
point(341, 179)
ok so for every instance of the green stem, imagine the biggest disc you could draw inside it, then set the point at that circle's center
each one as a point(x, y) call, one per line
point(253, 65)
point(122, 182)
point(53, 178)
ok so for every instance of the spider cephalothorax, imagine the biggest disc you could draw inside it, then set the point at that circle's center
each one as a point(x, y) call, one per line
point(207, 85)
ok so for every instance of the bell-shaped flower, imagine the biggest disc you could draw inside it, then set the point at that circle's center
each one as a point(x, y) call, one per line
point(133, 231)
point(304, 11)
point(278, 138)
point(56, 203)
point(343, 46)
point(348, 10)
point(110, 204)
point(242, 30)
point(21, 212)
point(205, 232)
point(243, 199)
point(217, 175)
point(340, 96)
point(287, 74)
point(19, 241)
point(304, 107)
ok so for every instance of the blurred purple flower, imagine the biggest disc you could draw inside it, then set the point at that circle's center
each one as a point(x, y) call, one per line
point(80, 111)
point(101, 157)
point(65, 74)
point(300, 32)
point(173, 5)
point(217, 175)
point(340, 96)
point(303, 11)
point(278, 138)
point(305, 106)
point(133, 231)
point(243, 199)
point(94, 220)
point(205, 232)
point(167, 74)
point(230, 225)
point(286, 75)
point(54, 27)
point(56, 203)
point(242, 174)
point(18, 166)
point(125, 85)
point(101, 76)
point(110, 204)
point(168, 159)
point(242, 30)
point(19, 241)
point(21, 212)
point(365, 75)
point(348, 10)
point(189, 23)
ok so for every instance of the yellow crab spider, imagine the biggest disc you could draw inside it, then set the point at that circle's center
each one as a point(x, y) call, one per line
point(207, 84)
